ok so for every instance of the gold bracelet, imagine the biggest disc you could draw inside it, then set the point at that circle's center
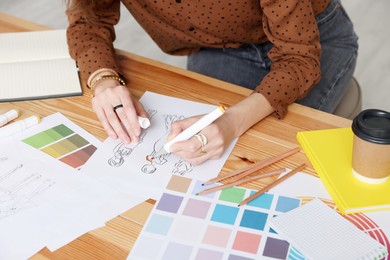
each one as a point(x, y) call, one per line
point(97, 72)
point(105, 77)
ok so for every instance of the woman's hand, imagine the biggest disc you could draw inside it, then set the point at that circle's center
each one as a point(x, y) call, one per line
point(217, 137)
point(232, 124)
point(123, 121)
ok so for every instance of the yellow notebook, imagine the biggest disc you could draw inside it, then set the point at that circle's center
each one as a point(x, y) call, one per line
point(330, 152)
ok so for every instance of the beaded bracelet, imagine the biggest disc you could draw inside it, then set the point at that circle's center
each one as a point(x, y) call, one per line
point(97, 72)
point(105, 77)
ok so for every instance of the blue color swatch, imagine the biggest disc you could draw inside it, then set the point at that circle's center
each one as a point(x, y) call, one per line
point(225, 214)
point(253, 219)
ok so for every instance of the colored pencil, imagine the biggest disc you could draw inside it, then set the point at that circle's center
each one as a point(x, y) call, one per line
point(252, 168)
point(241, 181)
point(273, 184)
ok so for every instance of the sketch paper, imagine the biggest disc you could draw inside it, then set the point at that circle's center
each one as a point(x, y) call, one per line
point(125, 166)
point(91, 214)
point(29, 191)
point(43, 200)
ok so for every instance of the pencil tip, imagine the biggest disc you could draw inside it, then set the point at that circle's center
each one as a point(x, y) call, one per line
point(197, 194)
point(202, 184)
point(238, 205)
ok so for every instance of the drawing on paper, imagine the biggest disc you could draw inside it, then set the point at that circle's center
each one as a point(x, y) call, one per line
point(5, 175)
point(151, 167)
point(182, 167)
point(18, 190)
point(124, 150)
point(121, 150)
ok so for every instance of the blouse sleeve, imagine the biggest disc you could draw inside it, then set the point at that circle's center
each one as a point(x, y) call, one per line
point(90, 37)
point(290, 25)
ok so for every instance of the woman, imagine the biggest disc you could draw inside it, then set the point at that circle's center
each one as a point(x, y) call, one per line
point(285, 50)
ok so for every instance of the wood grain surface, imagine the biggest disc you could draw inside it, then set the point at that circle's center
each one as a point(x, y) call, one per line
point(264, 140)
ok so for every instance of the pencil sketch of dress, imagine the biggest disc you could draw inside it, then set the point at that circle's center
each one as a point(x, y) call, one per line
point(20, 194)
point(182, 167)
point(123, 150)
point(158, 145)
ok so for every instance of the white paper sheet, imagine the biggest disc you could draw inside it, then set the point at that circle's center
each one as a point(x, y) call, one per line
point(125, 166)
point(30, 191)
point(44, 201)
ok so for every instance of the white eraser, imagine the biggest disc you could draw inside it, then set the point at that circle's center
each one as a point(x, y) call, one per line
point(143, 122)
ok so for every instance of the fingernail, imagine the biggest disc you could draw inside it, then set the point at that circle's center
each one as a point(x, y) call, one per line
point(137, 132)
point(126, 140)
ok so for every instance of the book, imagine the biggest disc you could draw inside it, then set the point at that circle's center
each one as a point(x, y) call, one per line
point(319, 232)
point(330, 152)
point(36, 65)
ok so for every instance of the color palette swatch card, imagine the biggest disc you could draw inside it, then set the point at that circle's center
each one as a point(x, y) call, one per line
point(183, 225)
point(321, 233)
point(62, 140)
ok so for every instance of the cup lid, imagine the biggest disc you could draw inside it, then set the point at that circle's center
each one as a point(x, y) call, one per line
point(372, 125)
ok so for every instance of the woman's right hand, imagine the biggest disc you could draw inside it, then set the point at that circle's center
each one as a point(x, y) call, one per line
point(122, 122)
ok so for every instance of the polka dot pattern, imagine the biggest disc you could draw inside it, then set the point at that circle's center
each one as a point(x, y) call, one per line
point(181, 27)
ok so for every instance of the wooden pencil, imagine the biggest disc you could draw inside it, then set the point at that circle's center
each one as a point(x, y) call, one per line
point(241, 181)
point(252, 168)
point(273, 184)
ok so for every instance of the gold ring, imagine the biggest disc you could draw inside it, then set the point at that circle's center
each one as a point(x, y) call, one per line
point(202, 139)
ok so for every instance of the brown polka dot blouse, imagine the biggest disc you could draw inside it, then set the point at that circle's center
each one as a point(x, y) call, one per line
point(181, 27)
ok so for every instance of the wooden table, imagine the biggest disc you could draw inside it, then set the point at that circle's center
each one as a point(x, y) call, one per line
point(265, 139)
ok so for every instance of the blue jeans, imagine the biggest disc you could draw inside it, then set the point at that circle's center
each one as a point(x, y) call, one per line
point(246, 66)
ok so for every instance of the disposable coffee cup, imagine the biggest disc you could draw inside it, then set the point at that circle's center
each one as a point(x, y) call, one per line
point(371, 146)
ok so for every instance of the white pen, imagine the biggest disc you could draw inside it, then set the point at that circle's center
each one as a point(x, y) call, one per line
point(8, 116)
point(18, 126)
point(195, 128)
